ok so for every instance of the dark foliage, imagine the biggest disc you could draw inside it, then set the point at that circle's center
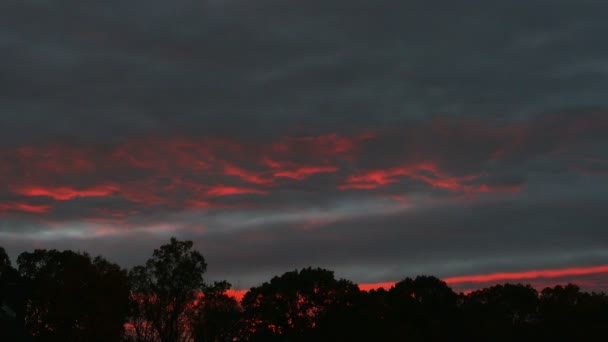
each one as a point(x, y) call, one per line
point(292, 306)
point(67, 296)
point(12, 301)
point(509, 312)
point(164, 292)
point(214, 315)
point(71, 297)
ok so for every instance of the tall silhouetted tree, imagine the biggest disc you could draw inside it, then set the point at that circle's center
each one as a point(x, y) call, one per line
point(73, 298)
point(290, 307)
point(164, 290)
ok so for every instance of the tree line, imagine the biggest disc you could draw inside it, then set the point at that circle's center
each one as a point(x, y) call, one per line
point(70, 296)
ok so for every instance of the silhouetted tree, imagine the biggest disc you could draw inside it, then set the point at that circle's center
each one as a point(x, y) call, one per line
point(422, 309)
point(67, 296)
point(372, 321)
point(346, 319)
point(164, 290)
point(568, 314)
point(11, 301)
point(214, 315)
point(558, 310)
point(73, 298)
point(506, 312)
point(289, 307)
point(5, 261)
point(593, 314)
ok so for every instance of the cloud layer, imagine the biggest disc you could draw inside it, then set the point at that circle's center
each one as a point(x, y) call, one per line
point(380, 140)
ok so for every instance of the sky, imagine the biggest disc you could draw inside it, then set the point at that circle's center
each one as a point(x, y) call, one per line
point(380, 139)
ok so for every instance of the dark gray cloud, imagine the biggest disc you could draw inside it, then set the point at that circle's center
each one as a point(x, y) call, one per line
point(378, 138)
point(201, 66)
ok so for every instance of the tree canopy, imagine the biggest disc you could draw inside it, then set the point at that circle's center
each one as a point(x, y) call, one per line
point(164, 289)
point(292, 305)
point(71, 297)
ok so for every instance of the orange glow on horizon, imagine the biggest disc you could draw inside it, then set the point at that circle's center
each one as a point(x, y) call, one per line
point(532, 274)
point(488, 278)
point(376, 286)
point(237, 294)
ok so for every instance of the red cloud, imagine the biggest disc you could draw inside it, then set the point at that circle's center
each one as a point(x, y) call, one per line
point(428, 173)
point(52, 158)
point(377, 178)
point(187, 172)
point(197, 204)
point(24, 207)
point(246, 175)
point(305, 171)
point(223, 190)
point(328, 144)
point(65, 193)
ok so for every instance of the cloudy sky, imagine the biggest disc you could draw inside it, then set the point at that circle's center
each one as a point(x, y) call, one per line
point(380, 139)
